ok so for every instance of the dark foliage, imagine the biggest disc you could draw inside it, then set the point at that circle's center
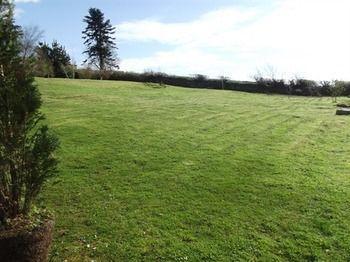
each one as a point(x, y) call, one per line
point(271, 85)
point(56, 56)
point(304, 87)
point(300, 87)
point(42, 65)
point(297, 86)
point(165, 79)
point(26, 147)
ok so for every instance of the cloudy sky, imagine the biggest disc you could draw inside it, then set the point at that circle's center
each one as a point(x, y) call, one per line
point(233, 38)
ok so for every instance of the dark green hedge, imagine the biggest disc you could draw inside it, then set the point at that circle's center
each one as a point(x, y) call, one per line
point(300, 87)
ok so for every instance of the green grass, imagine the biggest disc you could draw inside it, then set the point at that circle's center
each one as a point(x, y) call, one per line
point(176, 174)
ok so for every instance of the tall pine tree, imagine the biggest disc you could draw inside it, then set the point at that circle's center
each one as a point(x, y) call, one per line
point(99, 41)
point(26, 147)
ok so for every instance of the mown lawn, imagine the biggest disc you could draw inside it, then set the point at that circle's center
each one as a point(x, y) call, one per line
point(176, 174)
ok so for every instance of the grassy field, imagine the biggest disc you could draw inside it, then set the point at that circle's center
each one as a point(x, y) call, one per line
point(176, 174)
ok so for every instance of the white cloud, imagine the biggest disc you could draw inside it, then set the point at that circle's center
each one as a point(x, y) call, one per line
point(310, 38)
point(179, 61)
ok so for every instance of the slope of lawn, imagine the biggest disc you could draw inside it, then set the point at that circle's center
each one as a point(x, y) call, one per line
point(176, 174)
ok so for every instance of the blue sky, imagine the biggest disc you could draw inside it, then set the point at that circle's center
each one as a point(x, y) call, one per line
point(307, 38)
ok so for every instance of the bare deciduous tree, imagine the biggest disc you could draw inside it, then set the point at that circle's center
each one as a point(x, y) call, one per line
point(31, 36)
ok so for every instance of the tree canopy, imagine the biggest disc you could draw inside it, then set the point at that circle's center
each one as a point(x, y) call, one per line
point(57, 56)
point(99, 41)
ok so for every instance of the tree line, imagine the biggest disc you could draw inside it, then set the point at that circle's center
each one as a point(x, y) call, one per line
point(53, 60)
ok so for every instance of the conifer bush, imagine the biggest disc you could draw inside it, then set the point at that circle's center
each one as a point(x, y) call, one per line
point(26, 146)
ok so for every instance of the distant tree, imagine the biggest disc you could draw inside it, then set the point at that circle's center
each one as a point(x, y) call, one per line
point(26, 146)
point(300, 86)
point(200, 78)
point(43, 65)
point(99, 41)
point(31, 36)
point(58, 57)
point(73, 68)
point(268, 81)
point(154, 79)
point(337, 89)
point(223, 80)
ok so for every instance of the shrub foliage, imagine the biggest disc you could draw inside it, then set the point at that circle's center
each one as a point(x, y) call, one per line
point(26, 146)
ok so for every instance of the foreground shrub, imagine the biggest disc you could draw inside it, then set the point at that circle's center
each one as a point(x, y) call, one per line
point(26, 147)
